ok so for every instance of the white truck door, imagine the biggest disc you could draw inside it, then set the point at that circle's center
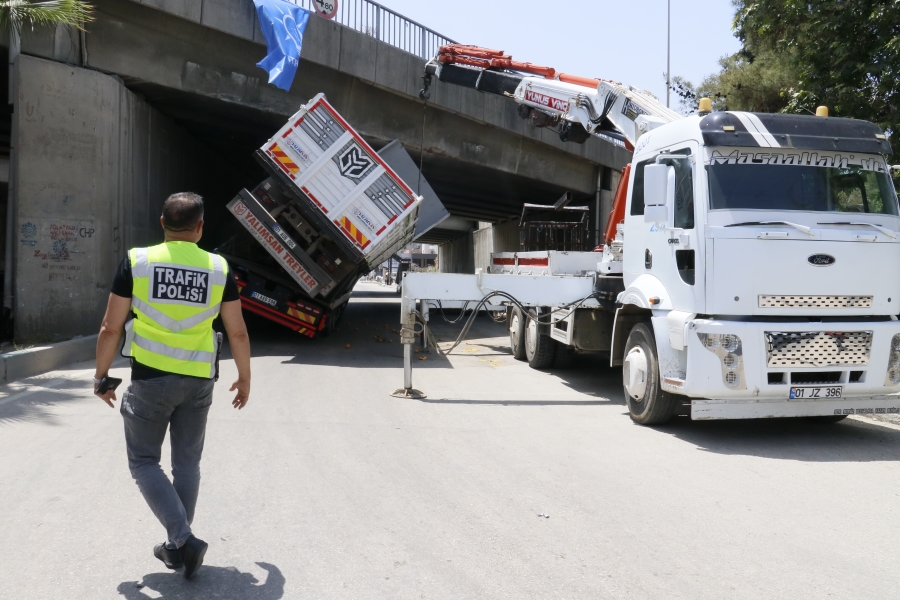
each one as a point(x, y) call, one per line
point(673, 256)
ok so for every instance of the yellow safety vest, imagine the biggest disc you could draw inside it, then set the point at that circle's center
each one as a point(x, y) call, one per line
point(177, 293)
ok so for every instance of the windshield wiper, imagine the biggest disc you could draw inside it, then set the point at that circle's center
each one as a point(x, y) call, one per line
point(802, 228)
point(884, 230)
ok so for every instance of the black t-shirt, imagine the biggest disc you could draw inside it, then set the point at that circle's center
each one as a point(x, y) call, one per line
point(123, 285)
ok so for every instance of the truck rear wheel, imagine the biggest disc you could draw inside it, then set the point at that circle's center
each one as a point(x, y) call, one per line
point(647, 403)
point(540, 349)
point(564, 356)
point(517, 333)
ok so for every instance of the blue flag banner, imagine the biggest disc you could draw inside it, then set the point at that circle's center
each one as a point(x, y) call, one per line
point(283, 25)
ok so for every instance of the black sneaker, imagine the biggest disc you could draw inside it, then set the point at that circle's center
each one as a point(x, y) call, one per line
point(171, 558)
point(193, 552)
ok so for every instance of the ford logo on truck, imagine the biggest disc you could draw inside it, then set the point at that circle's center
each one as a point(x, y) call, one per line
point(821, 260)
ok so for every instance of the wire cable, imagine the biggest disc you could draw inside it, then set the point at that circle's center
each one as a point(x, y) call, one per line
point(537, 318)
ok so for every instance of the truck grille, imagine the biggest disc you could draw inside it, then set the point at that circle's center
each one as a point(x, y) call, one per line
point(815, 301)
point(818, 348)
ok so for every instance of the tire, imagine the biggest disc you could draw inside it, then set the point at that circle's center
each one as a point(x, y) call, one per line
point(539, 348)
point(564, 356)
point(647, 403)
point(516, 324)
point(334, 319)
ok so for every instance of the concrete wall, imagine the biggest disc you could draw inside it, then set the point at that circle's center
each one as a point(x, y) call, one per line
point(67, 184)
point(457, 256)
point(91, 166)
point(493, 238)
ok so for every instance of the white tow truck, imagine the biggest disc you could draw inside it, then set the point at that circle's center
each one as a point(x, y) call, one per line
point(751, 267)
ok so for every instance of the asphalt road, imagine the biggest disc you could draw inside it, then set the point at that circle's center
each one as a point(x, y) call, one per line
point(327, 487)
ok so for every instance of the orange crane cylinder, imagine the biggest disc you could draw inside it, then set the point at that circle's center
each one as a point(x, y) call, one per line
point(618, 212)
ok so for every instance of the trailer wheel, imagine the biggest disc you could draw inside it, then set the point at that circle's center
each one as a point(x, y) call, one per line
point(517, 333)
point(647, 403)
point(540, 349)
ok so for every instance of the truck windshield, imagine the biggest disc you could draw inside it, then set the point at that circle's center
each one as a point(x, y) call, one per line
point(807, 188)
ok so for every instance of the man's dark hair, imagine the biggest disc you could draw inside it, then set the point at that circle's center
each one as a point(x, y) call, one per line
point(182, 211)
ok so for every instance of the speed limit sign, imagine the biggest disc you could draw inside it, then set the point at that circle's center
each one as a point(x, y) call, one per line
point(326, 8)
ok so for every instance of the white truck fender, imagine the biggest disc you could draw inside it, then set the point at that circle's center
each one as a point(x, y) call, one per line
point(644, 288)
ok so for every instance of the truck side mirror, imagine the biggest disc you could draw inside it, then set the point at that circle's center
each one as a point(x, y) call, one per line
point(659, 194)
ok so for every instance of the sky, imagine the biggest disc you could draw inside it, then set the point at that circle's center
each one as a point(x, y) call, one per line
point(622, 40)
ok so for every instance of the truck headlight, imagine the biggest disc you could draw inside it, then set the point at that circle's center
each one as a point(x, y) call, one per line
point(728, 348)
point(893, 372)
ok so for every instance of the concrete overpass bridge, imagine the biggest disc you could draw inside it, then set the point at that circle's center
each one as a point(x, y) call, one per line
point(164, 95)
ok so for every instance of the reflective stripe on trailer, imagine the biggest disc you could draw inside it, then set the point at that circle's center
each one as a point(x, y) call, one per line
point(282, 319)
point(283, 160)
point(301, 315)
point(351, 231)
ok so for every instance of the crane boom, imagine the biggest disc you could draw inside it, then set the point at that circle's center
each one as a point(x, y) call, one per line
point(577, 107)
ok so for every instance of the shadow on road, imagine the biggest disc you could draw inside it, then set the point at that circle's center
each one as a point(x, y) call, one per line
point(791, 439)
point(370, 327)
point(514, 402)
point(223, 583)
point(36, 405)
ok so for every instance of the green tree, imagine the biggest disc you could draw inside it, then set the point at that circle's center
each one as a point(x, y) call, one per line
point(15, 14)
point(760, 83)
point(846, 54)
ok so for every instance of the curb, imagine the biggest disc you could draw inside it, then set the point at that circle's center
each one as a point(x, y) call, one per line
point(40, 359)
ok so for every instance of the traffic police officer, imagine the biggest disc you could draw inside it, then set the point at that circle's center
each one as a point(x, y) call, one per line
point(174, 290)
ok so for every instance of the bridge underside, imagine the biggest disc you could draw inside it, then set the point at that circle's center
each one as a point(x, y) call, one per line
point(468, 190)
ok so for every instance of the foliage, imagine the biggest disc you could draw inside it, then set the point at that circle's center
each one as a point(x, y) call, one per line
point(755, 83)
point(847, 54)
point(14, 14)
point(799, 54)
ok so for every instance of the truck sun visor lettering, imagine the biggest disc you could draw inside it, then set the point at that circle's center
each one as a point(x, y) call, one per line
point(807, 159)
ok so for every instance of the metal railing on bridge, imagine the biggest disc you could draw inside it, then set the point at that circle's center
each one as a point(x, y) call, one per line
point(387, 26)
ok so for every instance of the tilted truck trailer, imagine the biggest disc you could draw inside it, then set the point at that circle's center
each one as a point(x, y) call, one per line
point(751, 267)
point(332, 210)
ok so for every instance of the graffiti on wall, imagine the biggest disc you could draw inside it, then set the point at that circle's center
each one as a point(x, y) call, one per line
point(60, 247)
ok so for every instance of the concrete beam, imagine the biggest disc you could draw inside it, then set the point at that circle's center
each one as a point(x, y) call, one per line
point(144, 44)
point(326, 44)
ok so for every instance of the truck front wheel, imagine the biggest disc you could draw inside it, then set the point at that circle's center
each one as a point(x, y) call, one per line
point(647, 403)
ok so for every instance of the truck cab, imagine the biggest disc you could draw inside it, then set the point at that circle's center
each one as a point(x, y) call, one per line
point(760, 265)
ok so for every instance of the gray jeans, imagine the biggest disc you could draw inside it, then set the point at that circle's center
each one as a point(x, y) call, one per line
point(150, 407)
